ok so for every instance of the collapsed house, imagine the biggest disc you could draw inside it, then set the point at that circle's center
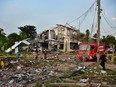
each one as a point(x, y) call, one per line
point(61, 37)
point(15, 46)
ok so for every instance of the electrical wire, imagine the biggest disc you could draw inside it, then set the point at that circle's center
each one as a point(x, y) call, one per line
point(93, 24)
point(105, 30)
point(107, 20)
point(85, 14)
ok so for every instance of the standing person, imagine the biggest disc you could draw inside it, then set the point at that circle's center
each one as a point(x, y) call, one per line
point(45, 54)
point(36, 51)
point(103, 60)
point(17, 54)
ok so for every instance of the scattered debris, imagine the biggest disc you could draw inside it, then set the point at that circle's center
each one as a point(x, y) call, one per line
point(22, 72)
point(84, 80)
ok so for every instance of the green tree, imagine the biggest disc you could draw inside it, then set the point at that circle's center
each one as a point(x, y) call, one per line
point(3, 39)
point(28, 31)
point(22, 35)
point(110, 39)
point(80, 36)
point(12, 38)
point(95, 35)
point(104, 39)
point(2, 34)
point(87, 35)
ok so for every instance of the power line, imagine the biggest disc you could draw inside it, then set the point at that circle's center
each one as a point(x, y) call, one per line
point(107, 20)
point(93, 24)
point(85, 14)
point(104, 28)
point(106, 31)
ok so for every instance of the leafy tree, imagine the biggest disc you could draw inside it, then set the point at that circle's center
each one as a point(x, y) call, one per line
point(95, 35)
point(2, 39)
point(104, 39)
point(87, 35)
point(29, 31)
point(12, 38)
point(22, 35)
point(110, 39)
point(80, 36)
point(2, 34)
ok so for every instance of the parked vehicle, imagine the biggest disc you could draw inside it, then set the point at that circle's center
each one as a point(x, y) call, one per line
point(87, 51)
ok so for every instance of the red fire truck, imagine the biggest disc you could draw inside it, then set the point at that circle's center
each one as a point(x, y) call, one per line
point(87, 51)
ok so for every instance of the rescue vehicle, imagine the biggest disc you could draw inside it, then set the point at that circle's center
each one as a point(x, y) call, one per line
point(88, 51)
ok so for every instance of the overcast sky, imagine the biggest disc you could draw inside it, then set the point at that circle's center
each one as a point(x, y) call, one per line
point(45, 14)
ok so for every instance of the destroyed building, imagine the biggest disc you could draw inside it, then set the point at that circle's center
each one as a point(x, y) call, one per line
point(61, 37)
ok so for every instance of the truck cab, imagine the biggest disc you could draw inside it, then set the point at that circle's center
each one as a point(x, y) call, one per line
point(88, 51)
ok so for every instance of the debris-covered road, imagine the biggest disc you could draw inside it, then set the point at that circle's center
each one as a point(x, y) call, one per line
point(35, 72)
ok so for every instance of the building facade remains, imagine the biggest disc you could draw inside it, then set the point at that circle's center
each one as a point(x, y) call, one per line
point(61, 38)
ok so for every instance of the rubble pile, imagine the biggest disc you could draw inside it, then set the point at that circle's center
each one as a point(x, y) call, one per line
point(29, 72)
point(21, 72)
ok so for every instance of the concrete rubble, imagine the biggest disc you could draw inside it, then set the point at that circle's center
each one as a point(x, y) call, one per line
point(21, 72)
point(24, 72)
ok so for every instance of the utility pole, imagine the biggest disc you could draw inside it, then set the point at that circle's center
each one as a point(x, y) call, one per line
point(98, 32)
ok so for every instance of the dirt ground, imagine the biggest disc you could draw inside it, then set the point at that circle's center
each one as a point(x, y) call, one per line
point(63, 68)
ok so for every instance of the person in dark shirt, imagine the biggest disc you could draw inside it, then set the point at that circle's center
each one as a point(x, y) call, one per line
point(102, 61)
